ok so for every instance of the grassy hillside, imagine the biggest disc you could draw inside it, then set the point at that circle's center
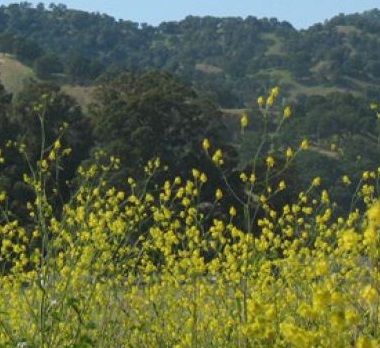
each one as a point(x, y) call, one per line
point(82, 94)
point(13, 73)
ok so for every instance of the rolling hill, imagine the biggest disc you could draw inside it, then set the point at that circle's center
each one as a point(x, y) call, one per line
point(229, 59)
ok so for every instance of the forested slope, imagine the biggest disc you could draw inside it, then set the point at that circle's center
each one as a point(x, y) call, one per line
point(227, 57)
point(207, 71)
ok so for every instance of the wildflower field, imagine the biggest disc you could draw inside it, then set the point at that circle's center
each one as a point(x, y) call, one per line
point(148, 267)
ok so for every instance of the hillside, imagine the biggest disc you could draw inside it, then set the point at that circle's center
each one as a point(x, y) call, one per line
point(13, 73)
point(328, 74)
point(227, 58)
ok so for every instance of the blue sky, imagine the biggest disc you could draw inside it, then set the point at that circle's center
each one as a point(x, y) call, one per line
point(300, 13)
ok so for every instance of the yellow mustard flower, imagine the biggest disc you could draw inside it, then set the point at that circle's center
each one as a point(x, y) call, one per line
point(244, 120)
point(316, 181)
point(304, 144)
point(287, 112)
point(289, 153)
point(346, 180)
point(270, 162)
point(232, 211)
point(260, 101)
point(218, 194)
point(206, 144)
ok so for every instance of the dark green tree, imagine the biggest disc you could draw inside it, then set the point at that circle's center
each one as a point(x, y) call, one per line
point(82, 69)
point(58, 108)
point(6, 132)
point(139, 117)
point(27, 51)
point(7, 42)
point(10, 176)
point(48, 65)
point(39, 114)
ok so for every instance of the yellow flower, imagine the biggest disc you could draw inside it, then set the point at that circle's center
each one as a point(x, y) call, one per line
point(366, 342)
point(217, 158)
point(289, 153)
point(370, 294)
point(52, 155)
point(275, 91)
point(316, 181)
point(270, 162)
point(262, 199)
point(282, 185)
point(307, 210)
point(260, 101)
point(244, 121)
point(203, 178)
point(196, 173)
point(120, 195)
point(206, 144)
point(44, 164)
point(325, 197)
point(186, 202)
point(270, 100)
point(304, 144)
point(3, 196)
point(232, 211)
point(57, 145)
point(373, 106)
point(374, 214)
point(243, 177)
point(346, 180)
point(287, 112)
point(218, 194)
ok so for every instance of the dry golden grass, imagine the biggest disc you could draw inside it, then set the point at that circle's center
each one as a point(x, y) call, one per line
point(13, 73)
point(82, 94)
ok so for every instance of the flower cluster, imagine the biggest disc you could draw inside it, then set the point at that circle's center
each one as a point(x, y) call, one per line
point(141, 269)
point(151, 266)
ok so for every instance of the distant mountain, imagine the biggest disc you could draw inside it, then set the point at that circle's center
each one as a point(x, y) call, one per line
point(228, 58)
